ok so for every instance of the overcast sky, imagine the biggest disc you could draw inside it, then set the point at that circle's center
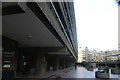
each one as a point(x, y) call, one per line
point(97, 24)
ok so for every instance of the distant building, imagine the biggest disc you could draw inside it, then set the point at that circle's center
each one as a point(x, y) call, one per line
point(86, 54)
point(81, 55)
point(101, 56)
point(119, 50)
point(113, 56)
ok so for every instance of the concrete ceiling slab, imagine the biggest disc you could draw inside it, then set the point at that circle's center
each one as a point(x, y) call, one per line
point(28, 30)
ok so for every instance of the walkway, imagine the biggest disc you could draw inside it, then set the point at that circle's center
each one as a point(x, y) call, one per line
point(70, 74)
point(81, 72)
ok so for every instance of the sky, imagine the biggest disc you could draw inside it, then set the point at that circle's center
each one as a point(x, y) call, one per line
point(97, 24)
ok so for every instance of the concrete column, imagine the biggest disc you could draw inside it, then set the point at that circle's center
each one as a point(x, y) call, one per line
point(53, 62)
point(66, 64)
point(63, 64)
point(56, 63)
point(49, 63)
point(40, 64)
point(71, 64)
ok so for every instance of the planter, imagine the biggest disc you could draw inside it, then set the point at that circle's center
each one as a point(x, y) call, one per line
point(101, 75)
point(90, 69)
point(115, 71)
point(101, 68)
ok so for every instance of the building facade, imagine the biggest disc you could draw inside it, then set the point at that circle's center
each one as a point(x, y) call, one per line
point(86, 54)
point(38, 37)
point(81, 55)
point(98, 56)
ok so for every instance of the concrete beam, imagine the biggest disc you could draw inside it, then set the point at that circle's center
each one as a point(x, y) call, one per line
point(11, 8)
point(51, 23)
point(58, 53)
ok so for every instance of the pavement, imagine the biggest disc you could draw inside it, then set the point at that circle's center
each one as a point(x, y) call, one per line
point(81, 72)
point(71, 74)
point(50, 74)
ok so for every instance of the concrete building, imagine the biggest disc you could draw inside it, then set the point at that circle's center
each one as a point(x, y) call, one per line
point(102, 56)
point(81, 55)
point(86, 54)
point(38, 37)
point(113, 56)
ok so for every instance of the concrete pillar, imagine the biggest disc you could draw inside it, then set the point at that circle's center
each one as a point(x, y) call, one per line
point(63, 64)
point(66, 64)
point(52, 62)
point(69, 63)
point(49, 63)
point(40, 64)
point(56, 63)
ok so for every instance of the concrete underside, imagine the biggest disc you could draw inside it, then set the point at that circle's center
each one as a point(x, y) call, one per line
point(31, 47)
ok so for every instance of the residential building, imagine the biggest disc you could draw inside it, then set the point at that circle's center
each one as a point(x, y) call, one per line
point(81, 55)
point(86, 54)
point(100, 56)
